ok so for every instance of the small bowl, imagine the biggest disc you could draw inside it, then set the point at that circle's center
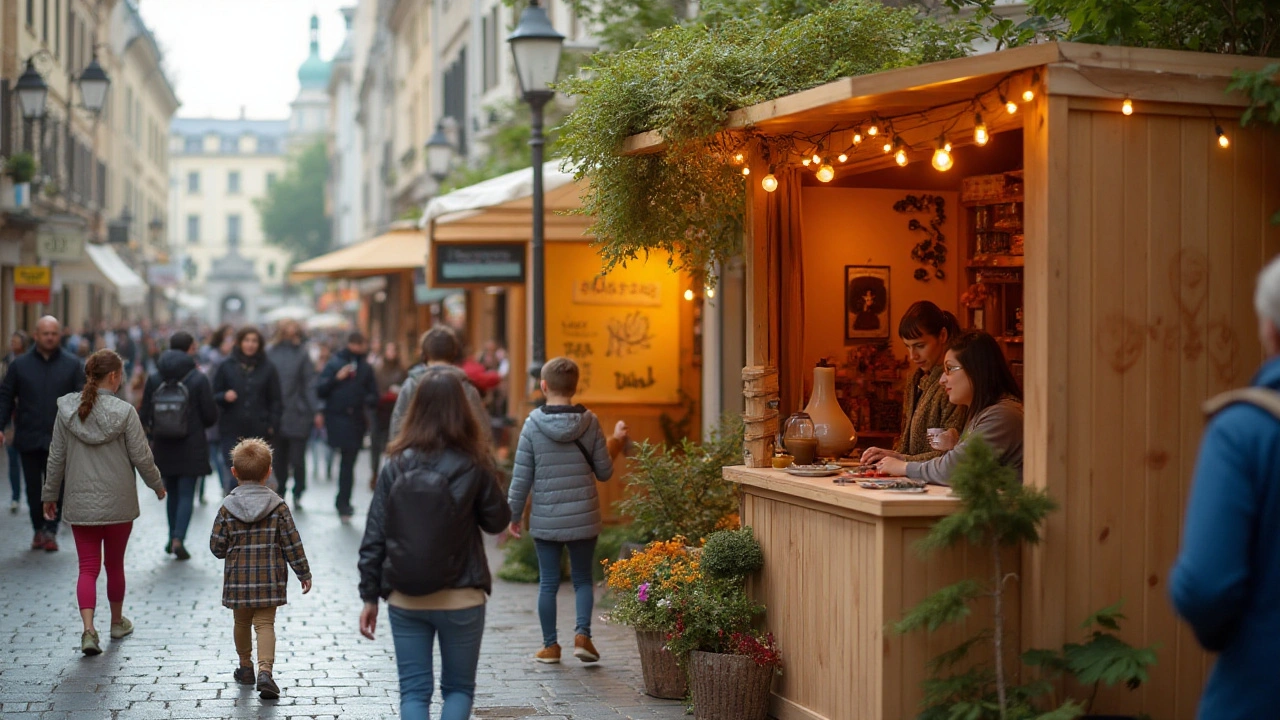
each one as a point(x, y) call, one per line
point(780, 462)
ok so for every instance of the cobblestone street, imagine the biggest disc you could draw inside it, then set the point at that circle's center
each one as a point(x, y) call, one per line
point(178, 662)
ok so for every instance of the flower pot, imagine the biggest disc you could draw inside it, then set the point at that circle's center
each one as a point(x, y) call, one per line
point(729, 687)
point(21, 195)
point(663, 677)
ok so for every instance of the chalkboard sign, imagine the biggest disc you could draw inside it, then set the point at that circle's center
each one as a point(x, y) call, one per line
point(478, 263)
point(623, 329)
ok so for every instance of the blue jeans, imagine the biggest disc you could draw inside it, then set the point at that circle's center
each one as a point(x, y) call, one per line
point(219, 462)
point(180, 492)
point(414, 633)
point(581, 556)
point(15, 472)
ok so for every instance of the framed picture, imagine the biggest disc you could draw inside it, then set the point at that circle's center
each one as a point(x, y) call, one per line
point(866, 302)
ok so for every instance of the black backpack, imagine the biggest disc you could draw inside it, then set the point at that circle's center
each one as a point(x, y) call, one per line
point(171, 401)
point(428, 535)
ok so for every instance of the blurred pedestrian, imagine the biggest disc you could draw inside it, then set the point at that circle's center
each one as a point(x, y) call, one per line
point(349, 391)
point(247, 388)
point(17, 346)
point(177, 408)
point(321, 453)
point(299, 415)
point(390, 375)
point(33, 384)
point(212, 355)
point(440, 349)
point(97, 450)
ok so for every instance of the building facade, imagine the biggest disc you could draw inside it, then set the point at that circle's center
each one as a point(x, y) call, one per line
point(345, 144)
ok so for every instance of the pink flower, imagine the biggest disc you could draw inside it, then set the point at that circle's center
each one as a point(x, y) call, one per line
point(643, 593)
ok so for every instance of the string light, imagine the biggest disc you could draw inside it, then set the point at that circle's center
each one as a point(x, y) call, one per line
point(888, 145)
point(942, 160)
point(980, 136)
point(688, 294)
point(1009, 105)
point(1126, 107)
point(817, 155)
point(874, 129)
point(739, 158)
point(711, 292)
point(1030, 94)
point(857, 135)
point(826, 173)
point(746, 171)
point(769, 182)
point(842, 157)
point(1223, 141)
point(806, 162)
point(900, 157)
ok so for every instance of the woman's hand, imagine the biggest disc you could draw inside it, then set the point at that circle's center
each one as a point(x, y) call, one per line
point(620, 431)
point(230, 396)
point(873, 455)
point(50, 510)
point(514, 529)
point(160, 493)
point(368, 619)
point(947, 440)
point(893, 466)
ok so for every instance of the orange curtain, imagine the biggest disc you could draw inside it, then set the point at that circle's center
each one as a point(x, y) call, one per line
point(786, 306)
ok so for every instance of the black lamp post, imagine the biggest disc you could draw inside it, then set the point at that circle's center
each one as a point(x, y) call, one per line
point(32, 92)
point(535, 46)
point(439, 154)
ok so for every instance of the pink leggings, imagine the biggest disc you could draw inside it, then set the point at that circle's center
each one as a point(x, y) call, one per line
point(90, 541)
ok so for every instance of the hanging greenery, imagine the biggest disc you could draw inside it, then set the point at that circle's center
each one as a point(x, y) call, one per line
point(682, 83)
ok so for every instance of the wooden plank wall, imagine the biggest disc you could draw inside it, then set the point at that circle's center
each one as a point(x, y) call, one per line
point(1165, 233)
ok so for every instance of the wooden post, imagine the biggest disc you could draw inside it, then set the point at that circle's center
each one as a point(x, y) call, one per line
point(760, 376)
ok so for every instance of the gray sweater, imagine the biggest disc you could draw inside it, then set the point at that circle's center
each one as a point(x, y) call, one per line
point(96, 459)
point(1000, 425)
point(551, 467)
point(410, 387)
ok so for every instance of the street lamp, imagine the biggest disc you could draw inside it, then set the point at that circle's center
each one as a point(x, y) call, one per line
point(439, 154)
point(32, 92)
point(94, 84)
point(535, 47)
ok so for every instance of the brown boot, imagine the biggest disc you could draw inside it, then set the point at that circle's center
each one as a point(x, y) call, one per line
point(584, 650)
point(549, 655)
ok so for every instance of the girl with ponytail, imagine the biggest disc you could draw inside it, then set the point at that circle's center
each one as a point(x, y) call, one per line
point(98, 444)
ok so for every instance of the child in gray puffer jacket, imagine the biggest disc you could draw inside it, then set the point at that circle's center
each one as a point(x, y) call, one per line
point(560, 448)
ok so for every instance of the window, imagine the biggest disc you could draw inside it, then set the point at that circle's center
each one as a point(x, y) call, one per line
point(233, 230)
point(271, 180)
point(128, 111)
point(267, 146)
point(230, 145)
point(489, 38)
point(193, 229)
point(57, 28)
point(193, 145)
point(71, 39)
point(193, 183)
point(31, 15)
point(44, 22)
point(233, 182)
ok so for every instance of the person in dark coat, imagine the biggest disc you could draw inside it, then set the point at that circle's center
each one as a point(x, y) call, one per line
point(33, 384)
point(182, 461)
point(247, 389)
point(349, 391)
point(298, 393)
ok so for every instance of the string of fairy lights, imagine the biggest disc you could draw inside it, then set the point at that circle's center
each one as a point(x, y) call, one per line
point(824, 151)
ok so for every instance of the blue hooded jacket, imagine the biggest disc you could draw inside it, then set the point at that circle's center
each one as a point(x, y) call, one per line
point(1226, 581)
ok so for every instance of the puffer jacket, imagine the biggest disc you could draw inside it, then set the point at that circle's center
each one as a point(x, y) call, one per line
point(96, 460)
point(471, 486)
point(410, 386)
point(550, 466)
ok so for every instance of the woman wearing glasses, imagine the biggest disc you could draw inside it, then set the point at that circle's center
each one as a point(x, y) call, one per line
point(975, 375)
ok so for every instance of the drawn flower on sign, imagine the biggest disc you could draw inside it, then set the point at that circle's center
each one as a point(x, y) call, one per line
point(629, 334)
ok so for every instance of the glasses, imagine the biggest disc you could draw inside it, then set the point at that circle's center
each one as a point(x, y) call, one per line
point(951, 369)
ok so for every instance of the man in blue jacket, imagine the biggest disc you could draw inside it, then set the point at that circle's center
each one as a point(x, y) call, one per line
point(33, 384)
point(1226, 581)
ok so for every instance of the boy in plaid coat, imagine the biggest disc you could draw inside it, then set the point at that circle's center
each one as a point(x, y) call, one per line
point(254, 532)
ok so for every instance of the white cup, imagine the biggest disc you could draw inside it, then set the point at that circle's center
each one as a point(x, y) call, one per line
point(934, 434)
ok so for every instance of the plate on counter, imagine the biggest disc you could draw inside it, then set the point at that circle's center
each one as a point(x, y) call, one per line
point(812, 470)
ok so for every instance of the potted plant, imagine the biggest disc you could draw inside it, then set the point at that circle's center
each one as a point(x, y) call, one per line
point(21, 167)
point(731, 665)
point(642, 586)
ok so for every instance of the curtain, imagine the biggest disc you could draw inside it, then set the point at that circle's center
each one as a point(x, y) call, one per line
point(783, 221)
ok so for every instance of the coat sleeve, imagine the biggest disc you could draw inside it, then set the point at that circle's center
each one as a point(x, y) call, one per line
point(206, 408)
point(275, 400)
point(944, 415)
point(78, 382)
point(492, 510)
point(370, 384)
point(146, 412)
point(8, 392)
point(522, 472)
point(401, 410)
point(140, 452)
point(997, 425)
point(56, 468)
point(221, 385)
point(1210, 581)
point(291, 544)
point(309, 386)
point(600, 456)
point(373, 548)
point(328, 378)
point(220, 539)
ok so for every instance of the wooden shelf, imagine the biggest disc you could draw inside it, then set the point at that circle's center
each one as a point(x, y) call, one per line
point(1011, 339)
point(996, 261)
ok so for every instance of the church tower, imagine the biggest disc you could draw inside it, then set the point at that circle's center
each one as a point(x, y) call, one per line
point(309, 112)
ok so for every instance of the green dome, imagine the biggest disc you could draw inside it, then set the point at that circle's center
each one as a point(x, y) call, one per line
point(314, 73)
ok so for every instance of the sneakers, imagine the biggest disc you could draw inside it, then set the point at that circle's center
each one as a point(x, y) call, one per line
point(89, 643)
point(548, 655)
point(13, 508)
point(267, 688)
point(584, 650)
point(180, 551)
point(244, 675)
point(38, 542)
point(121, 629)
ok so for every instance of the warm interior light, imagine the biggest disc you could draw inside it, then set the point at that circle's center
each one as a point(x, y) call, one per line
point(873, 130)
point(711, 292)
point(688, 294)
point(746, 171)
point(769, 182)
point(1223, 141)
point(980, 135)
point(842, 157)
point(1126, 107)
point(817, 159)
point(888, 146)
point(946, 144)
point(826, 173)
point(900, 157)
point(857, 137)
point(1011, 106)
point(1028, 95)
point(942, 160)
point(739, 158)
point(806, 162)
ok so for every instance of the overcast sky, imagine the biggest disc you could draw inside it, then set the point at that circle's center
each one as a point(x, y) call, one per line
point(224, 54)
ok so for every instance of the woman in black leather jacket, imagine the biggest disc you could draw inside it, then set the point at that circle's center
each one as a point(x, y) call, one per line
point(422, 548)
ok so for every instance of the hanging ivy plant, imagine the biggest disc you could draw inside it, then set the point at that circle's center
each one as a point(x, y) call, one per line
point(683, 82)
point(932, 250)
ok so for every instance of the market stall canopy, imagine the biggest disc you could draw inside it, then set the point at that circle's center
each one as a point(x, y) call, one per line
point(399, 250)
point(500, 209)
point(102, 266)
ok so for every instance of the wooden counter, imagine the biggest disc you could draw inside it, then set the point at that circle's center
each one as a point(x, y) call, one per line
point(838, 569)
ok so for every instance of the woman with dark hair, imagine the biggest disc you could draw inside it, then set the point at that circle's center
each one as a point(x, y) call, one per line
point(927, 330)
point(976, 376)
point(247, 390)
point(98, 445)
point(422, 548)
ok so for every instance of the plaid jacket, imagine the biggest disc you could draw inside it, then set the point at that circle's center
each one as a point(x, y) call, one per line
point(258, 557)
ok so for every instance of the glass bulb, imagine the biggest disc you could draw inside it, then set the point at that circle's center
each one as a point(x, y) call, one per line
point(980, 135)
point(1028, 95)
point(769, 182)
point(826, 173)
point(942, 160)
point(817, 159)
point(1011, 106)
point(888, 146)
point(843, 158)
point(873, 130)
point(739, 158)
point(806, 162)
point(688, 294)
point(711, 292)
point(901, 157)
point(857, 138)
point(1223, 141)
point(1127, 107)
point(947, 146)
point(746, 171)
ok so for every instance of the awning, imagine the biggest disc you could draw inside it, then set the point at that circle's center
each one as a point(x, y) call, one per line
point(500, 209)
point(102, 266)
point(396, 251)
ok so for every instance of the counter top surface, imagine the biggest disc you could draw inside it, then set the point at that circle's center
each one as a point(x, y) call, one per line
point(936, 502)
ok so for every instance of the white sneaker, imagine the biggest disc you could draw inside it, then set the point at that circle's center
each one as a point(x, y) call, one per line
point(13, 507)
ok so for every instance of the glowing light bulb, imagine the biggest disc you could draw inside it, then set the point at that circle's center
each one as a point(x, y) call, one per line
point(711, 292)
point(688, 295)
point(980, 136)
point(806, 162)
point(769, 182)
point(942, 160)
point(888, 146)
point(1223, 141)
point(1028, 95)
point(842, 157)
point(900, 157)
point(817, 159)
point(746, 171)
point(739, 158)
point(1126, 107)
point(826, 173)
point(1011, 106)
point(873, 130)
point(857, 138)
point(947, 146)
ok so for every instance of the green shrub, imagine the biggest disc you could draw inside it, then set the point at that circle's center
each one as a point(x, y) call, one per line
point(732, 554)
point(21, 167)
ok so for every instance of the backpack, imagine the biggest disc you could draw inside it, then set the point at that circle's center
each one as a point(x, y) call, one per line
point(172, 402)
point(428, 534)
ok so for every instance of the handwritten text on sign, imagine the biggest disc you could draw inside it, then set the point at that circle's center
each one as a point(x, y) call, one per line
point(610, 291)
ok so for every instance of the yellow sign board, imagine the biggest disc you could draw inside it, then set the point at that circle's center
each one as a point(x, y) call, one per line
point(623, 329)
point(32, 276)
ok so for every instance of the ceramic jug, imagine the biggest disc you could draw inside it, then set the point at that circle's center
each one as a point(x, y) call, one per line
point(830, 423)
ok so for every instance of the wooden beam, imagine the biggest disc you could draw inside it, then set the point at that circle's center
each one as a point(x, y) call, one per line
point(1142, 87)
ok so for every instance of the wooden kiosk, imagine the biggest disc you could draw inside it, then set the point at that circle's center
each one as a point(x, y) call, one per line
point(1125, 256)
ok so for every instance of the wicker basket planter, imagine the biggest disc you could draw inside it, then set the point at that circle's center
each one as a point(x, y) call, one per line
point(663, 677)
point(729, 687)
